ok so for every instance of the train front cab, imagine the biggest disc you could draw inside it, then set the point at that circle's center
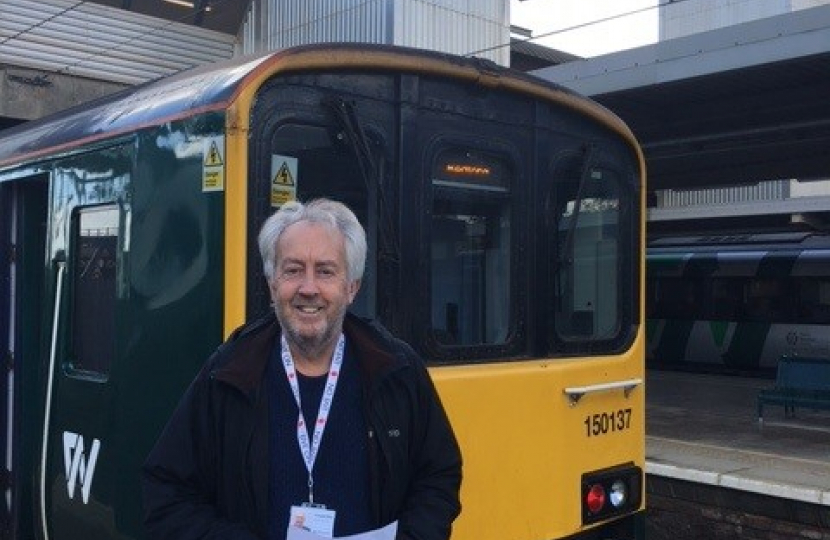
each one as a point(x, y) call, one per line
point(505, 245)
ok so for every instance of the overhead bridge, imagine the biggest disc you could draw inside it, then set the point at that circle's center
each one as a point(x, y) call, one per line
point(744, 103)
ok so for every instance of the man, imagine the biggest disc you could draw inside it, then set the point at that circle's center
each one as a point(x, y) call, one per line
point(309, 417)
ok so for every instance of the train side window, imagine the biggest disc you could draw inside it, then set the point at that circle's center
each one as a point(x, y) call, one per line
point(93, 272)
point(814, 300)
point(470, 288)
point(676, 298)
point(766, 300)
point(726, 299)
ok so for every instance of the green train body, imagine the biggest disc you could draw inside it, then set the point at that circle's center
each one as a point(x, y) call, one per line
point(505, 226)
point(738, 303)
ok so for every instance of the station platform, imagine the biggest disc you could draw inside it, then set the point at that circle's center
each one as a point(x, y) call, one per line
point(703, 429)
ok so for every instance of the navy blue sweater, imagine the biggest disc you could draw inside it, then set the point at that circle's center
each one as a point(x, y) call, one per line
point(341, 470)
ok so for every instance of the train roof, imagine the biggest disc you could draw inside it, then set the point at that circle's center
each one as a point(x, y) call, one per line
point(791, 240)
point(216, 86)
point(201, 89)
point(786, 254)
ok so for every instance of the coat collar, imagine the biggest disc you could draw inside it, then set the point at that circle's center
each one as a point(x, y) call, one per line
point(244, 357)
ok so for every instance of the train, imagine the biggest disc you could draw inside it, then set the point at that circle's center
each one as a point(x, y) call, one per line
point(505, 222)
point(737, 303)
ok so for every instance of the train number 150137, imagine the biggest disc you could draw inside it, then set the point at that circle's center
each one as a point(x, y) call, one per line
point(607, 422)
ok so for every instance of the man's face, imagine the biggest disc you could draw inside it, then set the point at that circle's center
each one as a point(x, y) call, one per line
point(310, 288)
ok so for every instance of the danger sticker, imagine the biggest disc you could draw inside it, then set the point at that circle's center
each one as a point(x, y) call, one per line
point(283, 179)
point(213, 164)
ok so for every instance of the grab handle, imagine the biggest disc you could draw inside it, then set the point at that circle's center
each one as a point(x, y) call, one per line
point(53, 352)
point(575, 393)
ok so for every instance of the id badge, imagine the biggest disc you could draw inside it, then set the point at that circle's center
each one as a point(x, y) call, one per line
point(316, 519)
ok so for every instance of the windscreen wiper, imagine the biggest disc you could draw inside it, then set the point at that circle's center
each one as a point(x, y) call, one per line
point(372, 171)
point(566, 253)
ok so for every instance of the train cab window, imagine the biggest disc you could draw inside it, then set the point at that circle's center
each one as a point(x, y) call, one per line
point(589, 254)
point(470, 247)
point(93, 270)
point(316, 161)
point(308, 161)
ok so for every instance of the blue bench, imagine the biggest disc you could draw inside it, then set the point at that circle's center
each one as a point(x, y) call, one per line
point(799, 382)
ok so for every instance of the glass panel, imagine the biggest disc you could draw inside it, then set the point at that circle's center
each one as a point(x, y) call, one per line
point(677, 298)
point(587, 289)
point(322, 162)
point(470, 252)
point(814, 301)
point(726, 299)
point(93, 271)
point(769, 300)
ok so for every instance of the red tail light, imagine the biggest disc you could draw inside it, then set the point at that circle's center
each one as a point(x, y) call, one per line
point(595, 499)
point(611, 492)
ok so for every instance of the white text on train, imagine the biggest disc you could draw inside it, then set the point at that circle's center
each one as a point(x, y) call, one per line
point(79, 468)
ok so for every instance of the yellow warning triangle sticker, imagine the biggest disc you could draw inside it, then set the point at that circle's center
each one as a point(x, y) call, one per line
point(213, 158)
point(283, 176)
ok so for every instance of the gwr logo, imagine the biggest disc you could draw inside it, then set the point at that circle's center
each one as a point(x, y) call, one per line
point(79, 468)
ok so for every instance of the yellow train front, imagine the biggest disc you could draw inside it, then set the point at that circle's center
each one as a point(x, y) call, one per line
point(505, 223)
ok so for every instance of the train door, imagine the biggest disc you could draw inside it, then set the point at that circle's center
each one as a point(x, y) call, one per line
point(6, 379)
point(23, 210)
point(7, 274)
point(78, 482)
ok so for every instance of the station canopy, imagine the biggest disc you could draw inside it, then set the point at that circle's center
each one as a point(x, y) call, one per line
point(224, 16)
point(737, 105)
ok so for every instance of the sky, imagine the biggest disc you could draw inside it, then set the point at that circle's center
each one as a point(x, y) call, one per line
point(570, 22)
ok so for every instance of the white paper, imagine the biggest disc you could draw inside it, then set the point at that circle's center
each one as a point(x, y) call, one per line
point(384, 533)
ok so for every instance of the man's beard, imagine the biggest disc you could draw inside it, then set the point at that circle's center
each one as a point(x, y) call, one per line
point(315, 345)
